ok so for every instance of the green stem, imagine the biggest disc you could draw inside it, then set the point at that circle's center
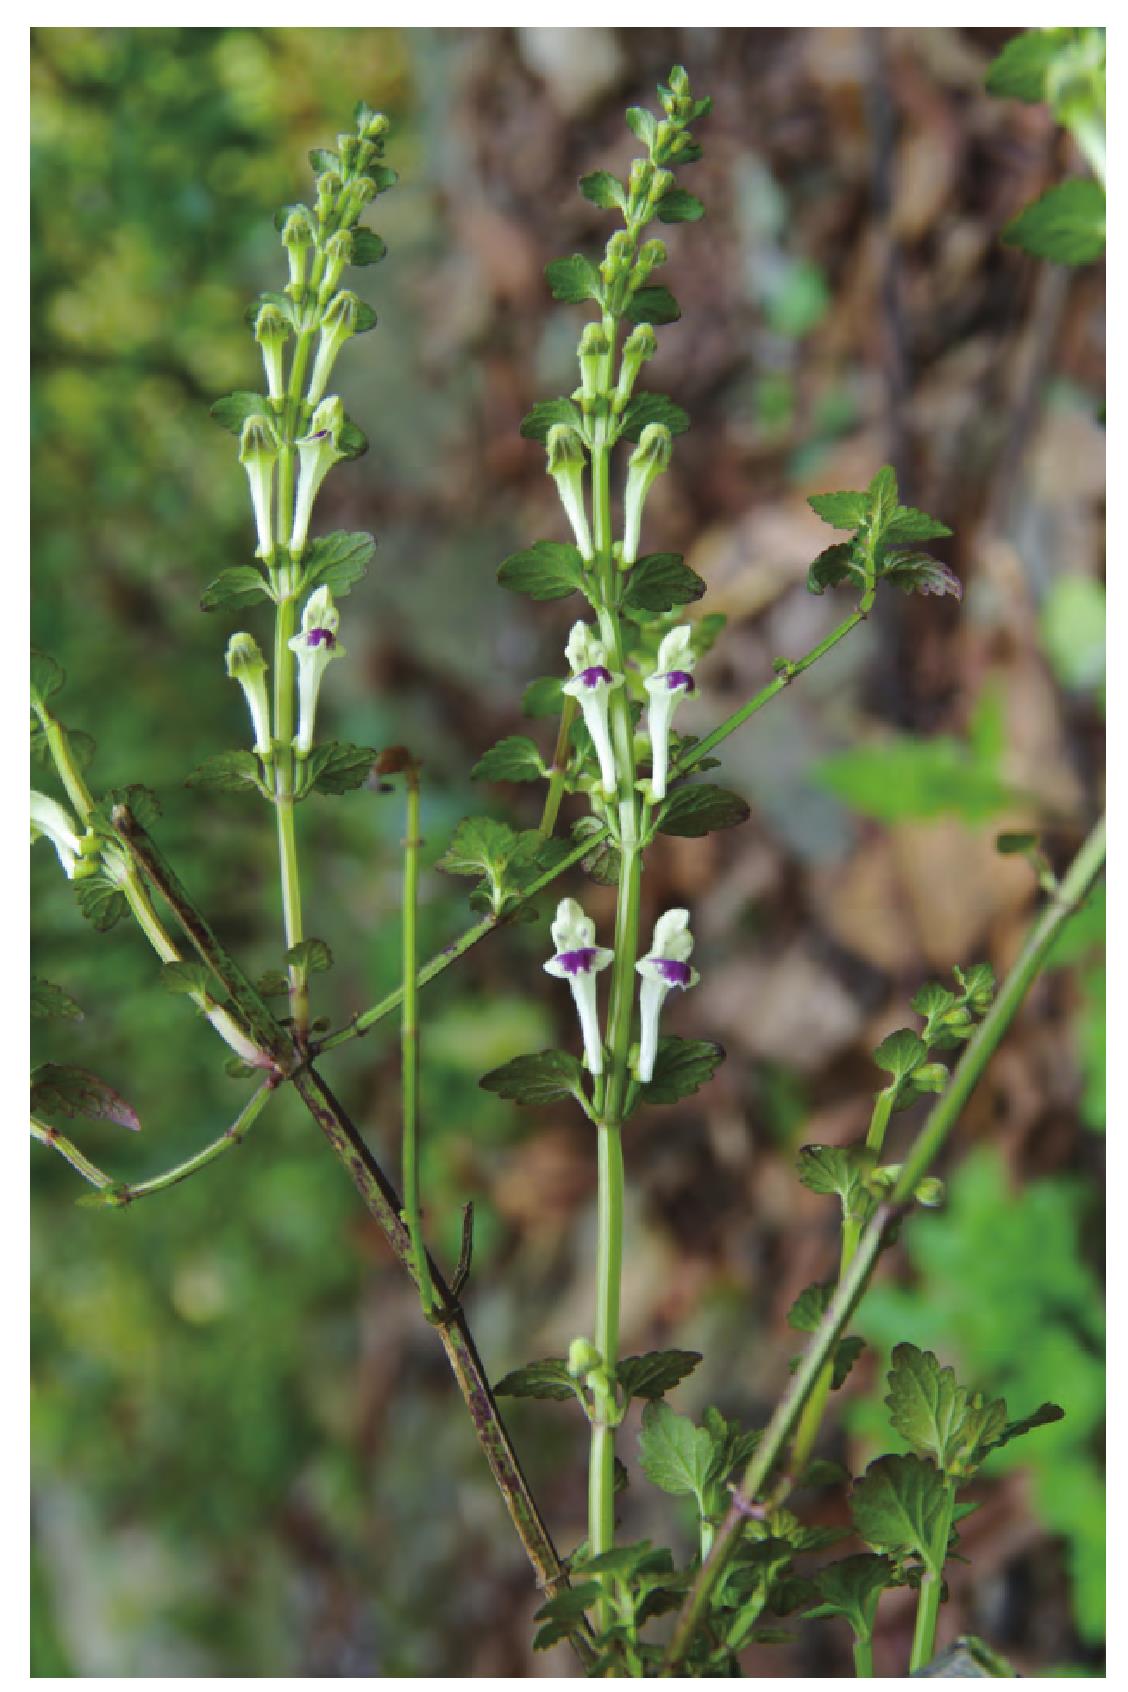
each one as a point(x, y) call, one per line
point(289, 874)
point(48, 1136)
point(559, 768)
point(409, 1042)
point(863, 1659)
point(931, 1592)
point(119, 1195)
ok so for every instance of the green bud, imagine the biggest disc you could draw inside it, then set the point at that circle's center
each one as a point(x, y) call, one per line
point(650, 458)
point(929, 1078)
point(619, 254)
point(640, 179)
point(338, 322)
point(247, 666)
point(372, 125)
point(348, 147)
point(650, 255)
point(272, 329)
point(583, 1358)
point(258, 450)
point(355, 197)
point(930, 1192)
point(640, 344)
point(338, 254)
point(298, 237)
point(679, 80)
point(593, 350)
point(566, 461)
point(329, 187)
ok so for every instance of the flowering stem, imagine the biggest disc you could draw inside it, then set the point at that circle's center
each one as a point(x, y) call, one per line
point(285, 622)
point(409, 1042)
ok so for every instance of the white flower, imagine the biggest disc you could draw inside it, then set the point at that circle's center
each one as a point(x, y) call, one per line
point(591, 684)
point(578, 961)
point(566, 460)
point(647, 462)
point(247, 666)
point(317, 453)
point(664, 967)
point(50, 818)
point(667, 687)
point(316, 646)
point(258, 450)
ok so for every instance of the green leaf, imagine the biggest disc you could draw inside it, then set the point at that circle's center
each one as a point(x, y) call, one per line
point(543, 697)
point(337, 767)
point(680, 1068)
point(227, 772)
point(537, 1078)
point(900, 1506)
point(840, 510)
point(846, 1354)
point(186, 978)
point(909, 524)
point(311, 957)
point(242, 585)
point(479, 846)
point(574, 279)
point(337, 561)
point(653, 304)
point(46, 677)
point(232, 411)
point(1066, 225)
point(62, 1090)
point(101, 902)
point(693, 811)
point(935, 1415)
point(562, 1613)
point(272, 985)
point(1019, 72)
point(852, 1588)
point(1040, 1418)
point(322, 159)
point(548, 1378)
point(836, 1171)
point(933, 1001)
point(675, 1455)
point(655, 1373)
point(540, 420)
point(352, 442)
point(644, 409)
point(49, 1000)
point(900, 1053)
point(367, 247)
point(604, 190)
point(677, 206)
point(835, 565)
point(547, 570)
point(919, 572)
point(643, 125)
point(884, 500)
point(515, 758)
point(659, 581)
point(813, 1302)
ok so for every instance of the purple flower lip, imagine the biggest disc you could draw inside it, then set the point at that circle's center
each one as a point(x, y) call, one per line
point(680, 678)
point(321, 637)
point(595, 674)
point(675, 974)
point(578, 962)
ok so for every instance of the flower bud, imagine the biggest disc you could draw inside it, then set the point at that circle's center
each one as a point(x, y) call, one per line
point(317, 453)
point(583, 1358)
point(271, 332)
point(356, 196)
point(328, 191)
point(640, 344)
point(258, 450)
point(593, 350)
point(651, 254)
point(577, 961)
point(619, 254)
point(247, 666)
point(338, 322)
point(298, 237)
point(640, 180)
point(566, 461)
point(665, 967)
point(316, 646)
point(930, 1192)
point(347, 149)
point(679, 80)
point(338, 254)
point(647, 462)
point(372, 125)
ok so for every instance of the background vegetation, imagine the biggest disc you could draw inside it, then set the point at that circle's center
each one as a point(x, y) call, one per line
point(248, 1459)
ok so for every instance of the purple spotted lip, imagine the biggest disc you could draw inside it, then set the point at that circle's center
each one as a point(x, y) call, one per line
point(673, 973)
point(680, 678)
point(595, 674)
point(321, 637)
point(578, 962)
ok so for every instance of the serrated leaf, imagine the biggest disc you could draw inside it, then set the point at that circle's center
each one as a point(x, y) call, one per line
point(846, 1354)
point(909, 524)
point(1040, 1418)
point(1019, 72)
point(1066, 225)
point(241, 585)
point(884, 500)
point(272, 984)
point(932, 1001)
point(561, 1614)
point(232, 411)
point(652, 304)
point(833, 566)
point(62, 1090)
point(479, 846)
point(537, 1078)
point(690, 812)
point(227, 772)
point(338, 767)
point(367, 247)
point(977, 981)
point(900, 1053)
point(547, 570)
point(677, 206)
point(659, 581)
point(852, 1588)
point(674, 1454)
point(604, 190)
point(516, 758)
point(49, 1000)
point(574, 279)
point(46, 677)
point(935, 1415)
point(543, 697)
point(183, 977)
point(680, 1068)
point(811, 1306)
point(100, 901)
point(835, 1171)
point(548, 1378)
point(645, 409)
point(655, 1373)
point(900, 1506)
point(847, 510)
point(919, 572)
point(312, 957)
point(535, 426)
point(337, 561)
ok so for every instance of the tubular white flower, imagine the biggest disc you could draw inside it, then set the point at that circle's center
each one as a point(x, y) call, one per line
point(667, 687)
point(566, 461)
point(316, 646)
point(578, 961)
point(247, 666)
point(271, 333)
point(50, 819)
point(258, 451)
point(664, 967)
point(317, 453)
point(591, 684)
point(647, 462)
point(338, 322)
